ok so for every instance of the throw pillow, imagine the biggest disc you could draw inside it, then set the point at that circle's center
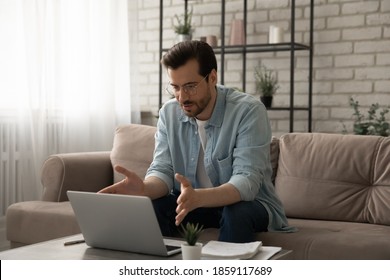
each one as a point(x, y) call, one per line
point(133, 149)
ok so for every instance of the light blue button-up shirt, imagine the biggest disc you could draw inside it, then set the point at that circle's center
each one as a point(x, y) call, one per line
point(237, 152)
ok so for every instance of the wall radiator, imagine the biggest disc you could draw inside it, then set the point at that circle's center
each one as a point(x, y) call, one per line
point(19, 166)
point(10, 176)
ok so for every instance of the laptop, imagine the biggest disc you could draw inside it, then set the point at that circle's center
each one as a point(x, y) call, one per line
point(120, 222)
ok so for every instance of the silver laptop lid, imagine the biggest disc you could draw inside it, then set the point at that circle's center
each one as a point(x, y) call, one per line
point(119, 222)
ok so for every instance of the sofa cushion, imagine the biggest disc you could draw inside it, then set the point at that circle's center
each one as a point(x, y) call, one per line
point(335, 177)
point(331, 240)
point(325, 240)
point(30, 222)
point(133, 149)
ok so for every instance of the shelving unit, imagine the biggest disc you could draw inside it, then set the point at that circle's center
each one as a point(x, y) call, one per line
point(291, 47)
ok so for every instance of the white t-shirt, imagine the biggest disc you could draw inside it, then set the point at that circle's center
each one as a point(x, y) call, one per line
point(200, 170)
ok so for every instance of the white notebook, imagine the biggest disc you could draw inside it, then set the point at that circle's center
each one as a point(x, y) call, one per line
point(227, 250)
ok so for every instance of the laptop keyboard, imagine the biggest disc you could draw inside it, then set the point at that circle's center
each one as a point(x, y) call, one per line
point(171, 247)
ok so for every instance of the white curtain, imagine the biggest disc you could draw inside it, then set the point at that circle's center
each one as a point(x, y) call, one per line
point(66, 82)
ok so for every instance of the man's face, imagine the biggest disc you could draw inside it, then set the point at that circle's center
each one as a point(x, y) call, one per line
point(193, 92)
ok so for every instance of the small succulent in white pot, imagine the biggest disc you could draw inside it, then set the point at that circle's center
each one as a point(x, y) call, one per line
point(191, 250)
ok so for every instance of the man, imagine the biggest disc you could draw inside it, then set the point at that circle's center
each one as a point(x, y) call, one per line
point(212, 156)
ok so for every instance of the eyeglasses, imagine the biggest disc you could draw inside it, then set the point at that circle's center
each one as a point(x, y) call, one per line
point(190, 89)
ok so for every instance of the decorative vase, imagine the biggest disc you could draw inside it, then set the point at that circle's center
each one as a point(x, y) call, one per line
point(237, 32)
point(212, 40)
point(267, 101)
point(275, 35)
point(183, 37)
point(191, 252)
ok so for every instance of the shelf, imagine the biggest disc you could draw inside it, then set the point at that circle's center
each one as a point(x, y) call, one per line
point(288, 108)
point(292, 46)
point(257, 48)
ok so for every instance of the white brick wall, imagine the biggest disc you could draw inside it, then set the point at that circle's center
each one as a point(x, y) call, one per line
point(351, 53)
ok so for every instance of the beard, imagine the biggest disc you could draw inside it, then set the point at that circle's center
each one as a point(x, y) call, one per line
point(194, 108)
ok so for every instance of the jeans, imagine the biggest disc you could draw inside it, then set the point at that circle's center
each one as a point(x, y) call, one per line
point(237, 222)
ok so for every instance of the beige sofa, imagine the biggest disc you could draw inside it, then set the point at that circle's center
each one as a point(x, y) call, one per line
point(335, 190)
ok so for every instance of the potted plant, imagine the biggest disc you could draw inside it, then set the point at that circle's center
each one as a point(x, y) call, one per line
point(191, 249)
point(183, 28)
point(372, 124)
point(266, 84)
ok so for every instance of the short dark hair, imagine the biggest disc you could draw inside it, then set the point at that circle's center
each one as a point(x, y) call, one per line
point(182, 52)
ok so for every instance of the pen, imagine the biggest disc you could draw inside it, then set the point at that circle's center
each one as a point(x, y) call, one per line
point(74, 242)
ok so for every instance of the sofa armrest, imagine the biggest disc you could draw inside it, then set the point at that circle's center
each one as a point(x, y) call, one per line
point(89, 172)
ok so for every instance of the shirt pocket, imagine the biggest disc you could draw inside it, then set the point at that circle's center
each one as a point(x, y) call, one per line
point(224, 169)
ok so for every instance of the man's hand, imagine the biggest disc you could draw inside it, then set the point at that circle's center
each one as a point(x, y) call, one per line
point(187, 201)
point(131, 185)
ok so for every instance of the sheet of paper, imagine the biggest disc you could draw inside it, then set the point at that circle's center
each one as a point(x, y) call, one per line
point(266, 252)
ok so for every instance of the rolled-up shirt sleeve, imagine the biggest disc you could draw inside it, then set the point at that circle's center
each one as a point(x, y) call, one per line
point(251, 155)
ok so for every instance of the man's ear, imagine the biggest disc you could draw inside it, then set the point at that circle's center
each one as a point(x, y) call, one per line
point(213, 77)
